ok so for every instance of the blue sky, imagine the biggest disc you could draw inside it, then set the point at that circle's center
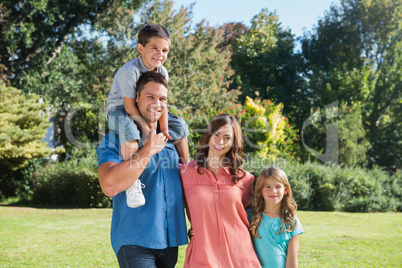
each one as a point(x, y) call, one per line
point(293, 14)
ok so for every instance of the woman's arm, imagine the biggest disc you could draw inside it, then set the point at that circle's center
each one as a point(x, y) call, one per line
point(293, 248)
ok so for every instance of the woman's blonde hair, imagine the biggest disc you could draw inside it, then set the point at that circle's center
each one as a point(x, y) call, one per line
point(288, 204)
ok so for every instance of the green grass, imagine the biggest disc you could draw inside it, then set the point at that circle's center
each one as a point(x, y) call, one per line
point(80, 238)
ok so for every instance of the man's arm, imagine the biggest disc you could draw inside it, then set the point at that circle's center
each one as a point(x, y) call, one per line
point(117, 177)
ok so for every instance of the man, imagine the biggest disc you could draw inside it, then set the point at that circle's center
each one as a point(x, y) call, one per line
point(146, 236)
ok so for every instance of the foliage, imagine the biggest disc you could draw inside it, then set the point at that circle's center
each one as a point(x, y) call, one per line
point(337, 135)
point(199, 71)
point(266, 67)
point(34, 32)
point(72, 183)
point(323, 187)
point(77, 82)
point(354, 54)
point(23, 127)
point(267, 133)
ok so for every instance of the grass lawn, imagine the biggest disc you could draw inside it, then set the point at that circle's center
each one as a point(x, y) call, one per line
point(80, 238)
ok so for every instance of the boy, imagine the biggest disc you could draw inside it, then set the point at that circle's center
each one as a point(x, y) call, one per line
point(122, 113)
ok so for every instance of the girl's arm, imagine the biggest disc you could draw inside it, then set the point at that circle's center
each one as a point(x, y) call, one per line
point(293, 248)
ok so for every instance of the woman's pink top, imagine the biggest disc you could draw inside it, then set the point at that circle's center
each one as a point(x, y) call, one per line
point(216, 210)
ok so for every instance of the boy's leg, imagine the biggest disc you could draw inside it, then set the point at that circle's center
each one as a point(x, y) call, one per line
point(128, 149)
point(135, 197)
point(179, 131)
point(182, 149)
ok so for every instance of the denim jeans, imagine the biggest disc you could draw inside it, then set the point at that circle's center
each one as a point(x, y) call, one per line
point(140, 257)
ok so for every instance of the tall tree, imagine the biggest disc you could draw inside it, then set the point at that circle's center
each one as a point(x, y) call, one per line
point(354, 54)
point(79, 79)
point(199, 71)
point(23, 126)
point(265, 66)
point(35, 31)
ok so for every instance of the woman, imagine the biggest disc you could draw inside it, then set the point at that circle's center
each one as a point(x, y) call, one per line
point(217, 191)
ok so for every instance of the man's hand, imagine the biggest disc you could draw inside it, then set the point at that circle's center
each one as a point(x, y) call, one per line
point(155, 142)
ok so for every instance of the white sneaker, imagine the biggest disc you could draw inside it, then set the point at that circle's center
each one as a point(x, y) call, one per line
point(135, 197)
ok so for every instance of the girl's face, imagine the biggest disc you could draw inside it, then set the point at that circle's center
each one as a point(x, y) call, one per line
point(221, 141)
point(273, 192)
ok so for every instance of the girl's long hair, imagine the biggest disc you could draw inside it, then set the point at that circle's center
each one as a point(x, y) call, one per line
point(234, 156)
point(288, 204)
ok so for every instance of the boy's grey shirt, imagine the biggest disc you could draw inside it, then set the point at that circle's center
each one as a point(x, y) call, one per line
point(125, 82)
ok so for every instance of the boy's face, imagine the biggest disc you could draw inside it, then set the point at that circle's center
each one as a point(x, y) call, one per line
point(154, 53)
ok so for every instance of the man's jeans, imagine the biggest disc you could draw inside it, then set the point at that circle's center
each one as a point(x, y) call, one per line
point(140, 257)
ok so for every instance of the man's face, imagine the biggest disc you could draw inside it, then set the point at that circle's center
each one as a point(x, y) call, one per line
point(154, 53)
point(152, 101)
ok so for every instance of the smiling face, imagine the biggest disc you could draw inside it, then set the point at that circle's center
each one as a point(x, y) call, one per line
point(154, 53)
point(221, 141)
point(152, 102)
point(273, 192)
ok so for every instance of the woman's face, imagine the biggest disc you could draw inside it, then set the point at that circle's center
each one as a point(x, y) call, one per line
point(221, 141)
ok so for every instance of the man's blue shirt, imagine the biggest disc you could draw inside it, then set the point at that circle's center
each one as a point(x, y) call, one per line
point(160, 223)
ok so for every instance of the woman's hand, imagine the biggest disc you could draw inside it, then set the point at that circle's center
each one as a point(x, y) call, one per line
point(190, 233)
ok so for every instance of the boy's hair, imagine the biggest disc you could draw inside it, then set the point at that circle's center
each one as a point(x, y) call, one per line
point(152, 30)
point(150, 77)
point(234, 156)
point(288, 205)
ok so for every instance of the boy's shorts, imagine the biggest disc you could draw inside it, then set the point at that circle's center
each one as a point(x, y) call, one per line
point(123, 124)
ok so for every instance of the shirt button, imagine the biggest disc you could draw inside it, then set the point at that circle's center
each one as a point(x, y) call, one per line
point(165, 179)
point(168, 197)
point(170, 216)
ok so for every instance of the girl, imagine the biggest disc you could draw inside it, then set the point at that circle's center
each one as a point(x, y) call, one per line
point(275, 229)
point(217, 191)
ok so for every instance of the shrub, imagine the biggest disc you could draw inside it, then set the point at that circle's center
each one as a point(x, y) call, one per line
point(267, 133)
point(72, 183)
point(326, 188)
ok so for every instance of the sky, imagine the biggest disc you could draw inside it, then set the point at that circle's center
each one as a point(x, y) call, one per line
point(297, 15)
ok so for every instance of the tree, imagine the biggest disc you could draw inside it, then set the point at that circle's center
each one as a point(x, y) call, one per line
point(232, 31)
point(23, 126)
point(265, 66)
point(80, 78)
point(354, 54)
point(35, 31)
point(336, 135)
point(199, 71)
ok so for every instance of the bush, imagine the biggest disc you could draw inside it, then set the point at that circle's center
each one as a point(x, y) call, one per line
point(72, 183)
point(267, 133)
point(322, 187)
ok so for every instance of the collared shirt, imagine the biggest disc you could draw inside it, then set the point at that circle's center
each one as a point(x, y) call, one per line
point(160, 223)
point(125, 82)
point(216, 210)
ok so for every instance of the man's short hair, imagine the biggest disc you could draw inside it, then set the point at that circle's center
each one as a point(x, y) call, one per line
point(150, 77)
point(152, 30)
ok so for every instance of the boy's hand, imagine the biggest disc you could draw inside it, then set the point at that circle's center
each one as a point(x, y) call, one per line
point(166, 133)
